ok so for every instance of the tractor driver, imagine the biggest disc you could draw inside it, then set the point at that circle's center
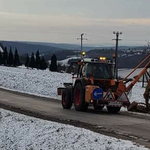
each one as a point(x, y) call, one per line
point(83, 71)
point(97, 71)
point(88, 70)
point(91, 70)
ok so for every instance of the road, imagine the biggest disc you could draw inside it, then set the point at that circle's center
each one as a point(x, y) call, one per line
point(123, 125)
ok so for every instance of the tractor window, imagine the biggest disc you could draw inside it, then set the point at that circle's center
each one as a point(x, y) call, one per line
point(97, 70)
point(82, 71)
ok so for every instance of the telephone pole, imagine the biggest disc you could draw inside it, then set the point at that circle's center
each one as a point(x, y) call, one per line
point(116, 52)
point(81, 41)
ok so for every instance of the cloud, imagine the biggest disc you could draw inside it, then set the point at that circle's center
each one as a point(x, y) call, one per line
point(64, 20)
point(135, 21)
point(66, 28)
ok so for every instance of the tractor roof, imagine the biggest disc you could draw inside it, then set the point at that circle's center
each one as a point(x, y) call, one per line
point(94, 60)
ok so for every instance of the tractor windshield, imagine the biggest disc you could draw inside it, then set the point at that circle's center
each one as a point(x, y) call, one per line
point(99, 70)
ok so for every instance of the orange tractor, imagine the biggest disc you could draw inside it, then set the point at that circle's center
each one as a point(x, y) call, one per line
point(95, 85)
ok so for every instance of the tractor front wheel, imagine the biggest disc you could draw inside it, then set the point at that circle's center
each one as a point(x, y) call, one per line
point(79, 98)
point(66, 99)
point(113, 110)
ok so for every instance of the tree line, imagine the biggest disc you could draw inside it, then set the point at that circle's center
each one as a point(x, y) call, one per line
point(37, 61)
point(33, 61)
point(9, 59)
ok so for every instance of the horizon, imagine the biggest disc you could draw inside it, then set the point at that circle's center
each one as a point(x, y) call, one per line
point(72, 44)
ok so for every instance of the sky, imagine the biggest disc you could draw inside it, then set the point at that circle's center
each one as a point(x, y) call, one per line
point(63, 21)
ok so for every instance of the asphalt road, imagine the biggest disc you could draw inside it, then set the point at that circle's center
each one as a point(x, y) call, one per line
point(123, 125)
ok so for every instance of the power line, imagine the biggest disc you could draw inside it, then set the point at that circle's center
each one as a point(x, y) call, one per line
point(116, 52)
point(81, 40)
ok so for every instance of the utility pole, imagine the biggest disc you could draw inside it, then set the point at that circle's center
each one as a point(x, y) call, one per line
point(81, 41)
point(116, 52)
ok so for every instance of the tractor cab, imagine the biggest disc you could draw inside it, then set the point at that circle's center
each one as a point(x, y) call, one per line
point(97, 70)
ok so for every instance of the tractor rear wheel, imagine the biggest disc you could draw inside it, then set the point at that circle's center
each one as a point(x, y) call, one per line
point(66, 99)
point(114, 110)
point(97, 106)
point(79, 98)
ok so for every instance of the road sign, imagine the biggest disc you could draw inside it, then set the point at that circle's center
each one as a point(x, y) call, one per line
point(109, 96)
point(97, 94)
point(123, 97)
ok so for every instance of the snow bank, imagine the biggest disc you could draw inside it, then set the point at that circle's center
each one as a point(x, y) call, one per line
point(137, 90)
point(125, 72)
point(27, 133)
point(33, 81)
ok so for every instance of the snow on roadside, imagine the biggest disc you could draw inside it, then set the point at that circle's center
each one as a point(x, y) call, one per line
point(137, 93)
point(137, 90)
point(33, 81)
point(125, 72)
point(27, 133)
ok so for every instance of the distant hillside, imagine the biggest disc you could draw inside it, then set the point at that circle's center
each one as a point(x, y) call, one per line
point(65, 46)
point(26, 47)
point(128, 56)
point(29, 47)
point(59, 45)
point(85, 47)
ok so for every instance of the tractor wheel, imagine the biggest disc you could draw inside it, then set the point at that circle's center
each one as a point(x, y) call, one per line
point(66, 99)
point(113, 110)
point(97, 106)
point(79, 98)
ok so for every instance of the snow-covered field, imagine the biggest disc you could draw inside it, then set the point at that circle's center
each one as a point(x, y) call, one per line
point(125, 72)
point(45, 83)
point(33, 81)
point(20, 132)
point(65, 61)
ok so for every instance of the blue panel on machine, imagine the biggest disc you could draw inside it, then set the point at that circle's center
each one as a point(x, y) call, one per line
point(97, 94)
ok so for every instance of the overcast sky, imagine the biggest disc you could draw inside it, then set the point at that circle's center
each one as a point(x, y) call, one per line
point(62, 21)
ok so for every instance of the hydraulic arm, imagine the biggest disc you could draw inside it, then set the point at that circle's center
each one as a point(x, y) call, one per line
point(122, 87)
